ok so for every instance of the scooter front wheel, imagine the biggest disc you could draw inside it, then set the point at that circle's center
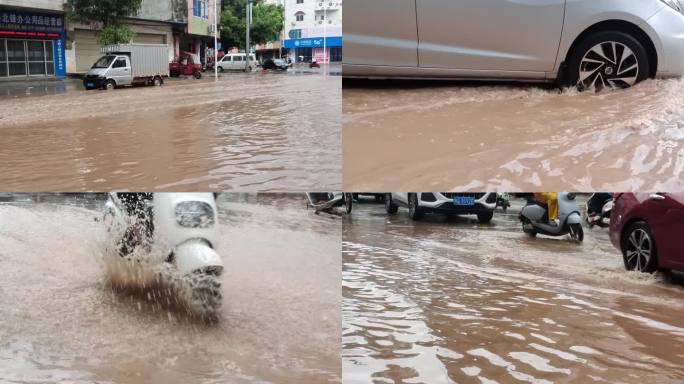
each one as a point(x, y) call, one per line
point(576, 232)
point(527, 227)
point(205, 295)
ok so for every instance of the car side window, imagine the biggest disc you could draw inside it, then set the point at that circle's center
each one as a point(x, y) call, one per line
point(119, 63)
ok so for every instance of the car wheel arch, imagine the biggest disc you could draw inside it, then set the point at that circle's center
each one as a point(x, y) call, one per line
point(618, 26)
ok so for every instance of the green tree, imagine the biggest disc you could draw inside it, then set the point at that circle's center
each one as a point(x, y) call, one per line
point(108, 15)
point(267, 22)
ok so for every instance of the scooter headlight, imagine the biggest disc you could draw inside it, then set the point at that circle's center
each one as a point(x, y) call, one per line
point(194, 214)
point(674, 4)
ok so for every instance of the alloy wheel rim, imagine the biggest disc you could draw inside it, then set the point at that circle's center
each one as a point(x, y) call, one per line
point(639, 250)
point(608, 64)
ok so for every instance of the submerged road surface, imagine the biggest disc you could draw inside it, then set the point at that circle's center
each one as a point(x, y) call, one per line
point(458, 136)
point(280, 320)
point(455, 301)
point(246, 132)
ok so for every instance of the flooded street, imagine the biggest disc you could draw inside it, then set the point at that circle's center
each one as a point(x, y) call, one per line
point(478, 136)
point(246, 132)
point(61, 323)
point(451, 300)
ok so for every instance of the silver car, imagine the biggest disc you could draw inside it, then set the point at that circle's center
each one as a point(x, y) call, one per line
point(450, 203)
point(591, 43)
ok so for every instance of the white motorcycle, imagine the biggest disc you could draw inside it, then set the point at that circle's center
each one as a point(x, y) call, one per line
point(534, 218)
point(167, 236)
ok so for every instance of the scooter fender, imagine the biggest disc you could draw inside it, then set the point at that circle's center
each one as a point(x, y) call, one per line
point(574, 218)
point(196, 255)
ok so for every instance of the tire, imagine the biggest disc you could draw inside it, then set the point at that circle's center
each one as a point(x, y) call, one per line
point(197, 74)
point(415, 211)
point(577, 232)
point(205, 295)
point(109, 85)
point(157, 81)
point(637, 254)
point(220, 69)
point(485, 217)
point(348, 203)
point(390, 207)
point(248, 69)
point(529, 232)
point(603, 70)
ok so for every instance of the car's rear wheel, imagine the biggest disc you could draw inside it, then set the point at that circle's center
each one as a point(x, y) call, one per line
point(608, 59)
point(390, 207)
point(639, 249)
point(485, 217)
point(415, 211)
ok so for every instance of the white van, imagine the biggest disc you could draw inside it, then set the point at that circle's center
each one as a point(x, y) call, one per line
point(236, 62)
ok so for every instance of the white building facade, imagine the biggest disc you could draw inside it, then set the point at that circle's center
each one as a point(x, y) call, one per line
point(313, 30)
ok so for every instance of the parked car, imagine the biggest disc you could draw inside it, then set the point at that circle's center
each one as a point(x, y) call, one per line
point(275, 64)
point(594, 44)
point(648, 228)
point(236, 62)
point(418, 204)
point(129, 64)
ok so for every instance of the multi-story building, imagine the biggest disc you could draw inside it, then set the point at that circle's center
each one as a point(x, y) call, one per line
point(185, 25)
point(37, 41)
point(313, 30)
point(32, 39)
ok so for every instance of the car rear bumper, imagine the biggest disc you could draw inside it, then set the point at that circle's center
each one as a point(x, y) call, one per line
point(666, 29)
point(444, 202)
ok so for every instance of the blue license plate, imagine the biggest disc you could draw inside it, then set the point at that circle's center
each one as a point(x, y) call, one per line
point(90, 85)
point(462, 200)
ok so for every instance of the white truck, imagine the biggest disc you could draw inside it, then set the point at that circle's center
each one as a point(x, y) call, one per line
point(129, 64)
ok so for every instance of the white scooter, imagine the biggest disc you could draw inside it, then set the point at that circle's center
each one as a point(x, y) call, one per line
point(534, 218)
point(167, 235)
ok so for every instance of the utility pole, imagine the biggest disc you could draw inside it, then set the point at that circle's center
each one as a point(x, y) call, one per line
point(325, 32)
point(249, 24)
point(215, 40)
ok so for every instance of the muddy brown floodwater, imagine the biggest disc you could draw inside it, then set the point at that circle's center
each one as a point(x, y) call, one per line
point(447, 301)
point(413, 136)
point(280, 319)
point(246, 132)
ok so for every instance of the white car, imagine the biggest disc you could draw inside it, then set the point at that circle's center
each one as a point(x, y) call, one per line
point(236, 62)
point(418, 204)
point(591, 43)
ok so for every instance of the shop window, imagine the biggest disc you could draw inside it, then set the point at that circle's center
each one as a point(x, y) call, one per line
point(17, 69)
point(36, 57)
point(16, 50)
point(3, 59)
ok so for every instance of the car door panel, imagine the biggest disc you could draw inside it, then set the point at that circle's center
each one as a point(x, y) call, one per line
point(667, 225)
point(496, 35)
point(380, 32)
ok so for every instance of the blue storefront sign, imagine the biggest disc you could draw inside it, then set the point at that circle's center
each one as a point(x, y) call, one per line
point(22, 25)
point(314, 42)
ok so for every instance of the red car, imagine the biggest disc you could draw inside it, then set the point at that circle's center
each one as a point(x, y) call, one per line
point(649, 230)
